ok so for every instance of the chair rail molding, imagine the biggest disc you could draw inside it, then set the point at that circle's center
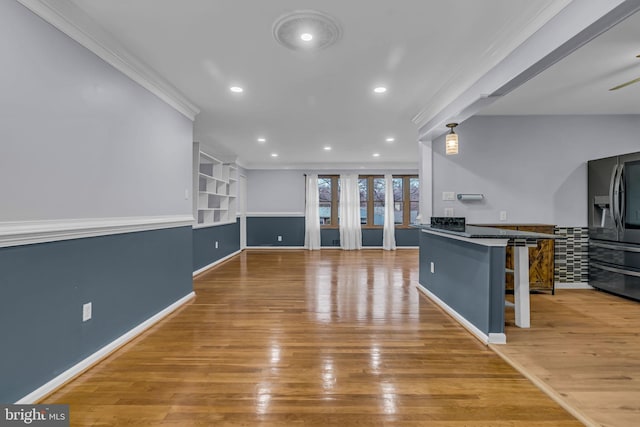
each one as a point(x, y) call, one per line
point(16, 233)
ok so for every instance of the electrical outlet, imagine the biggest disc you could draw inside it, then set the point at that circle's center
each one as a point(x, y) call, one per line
point(433, 267)
point(448, 212)
point(503, 215)
point(86, 312)
point(279, 238)
point(448, 195)
point(216, 244)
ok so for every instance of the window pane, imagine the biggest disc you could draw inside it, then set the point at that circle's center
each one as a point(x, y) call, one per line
point(397, 189)
point(378, 201)
point(324, 190)
point(398, 207)
point(378, 213)
point(415, 206)
point(414, 189)
point(363, 183)
point(325, 213)
point(378, 190)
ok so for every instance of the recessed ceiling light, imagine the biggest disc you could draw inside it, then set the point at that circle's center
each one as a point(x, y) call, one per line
point(262, 140)
point(236, 89)
point(380, 89)
point(274, 154)
point(376, 154)
point(390, 139)
point(306, 37)
point(327, 148)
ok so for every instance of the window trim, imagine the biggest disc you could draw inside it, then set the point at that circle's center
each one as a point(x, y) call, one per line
point(406, 201)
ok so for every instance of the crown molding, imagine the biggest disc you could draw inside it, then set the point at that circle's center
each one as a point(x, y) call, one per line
point(574, 25)
point(335, 166)
point(503, 44)
point(75, 23)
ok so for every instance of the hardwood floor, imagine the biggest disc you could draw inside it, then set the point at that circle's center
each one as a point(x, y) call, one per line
point(281, 338)
point(584, 347)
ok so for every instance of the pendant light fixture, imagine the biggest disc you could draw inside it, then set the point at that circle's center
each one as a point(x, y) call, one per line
point(451, 141)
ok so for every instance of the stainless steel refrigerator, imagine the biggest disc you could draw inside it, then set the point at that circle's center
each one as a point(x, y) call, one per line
point(614, 224)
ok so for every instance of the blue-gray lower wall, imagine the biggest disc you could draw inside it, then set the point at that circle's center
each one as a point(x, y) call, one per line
point(264, 231)
point(204, 243)
point(127, 278)
point(468, 277)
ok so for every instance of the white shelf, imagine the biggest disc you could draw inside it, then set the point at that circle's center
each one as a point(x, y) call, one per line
point(215, 191)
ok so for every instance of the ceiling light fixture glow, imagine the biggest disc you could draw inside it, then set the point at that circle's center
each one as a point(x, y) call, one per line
point(274, 154)
point(380, 89)
point(451, 141)
point(376, 154)
point(327, 148)
point(306, 30)
point(390, 139)
point(236, 89)
point(262, 140)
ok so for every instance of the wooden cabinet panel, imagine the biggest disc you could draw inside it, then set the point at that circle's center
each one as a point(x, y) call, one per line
point(541, 258)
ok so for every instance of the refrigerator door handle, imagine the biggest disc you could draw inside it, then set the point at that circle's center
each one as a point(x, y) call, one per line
point(616, 197)
point(622, 201)
point(612, 196)
point(616, 270)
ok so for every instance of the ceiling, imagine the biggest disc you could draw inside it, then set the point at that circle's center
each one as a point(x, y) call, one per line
point(580, 83)
point(426, 52)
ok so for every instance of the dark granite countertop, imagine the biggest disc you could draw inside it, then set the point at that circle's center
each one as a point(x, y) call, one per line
point(475, 232)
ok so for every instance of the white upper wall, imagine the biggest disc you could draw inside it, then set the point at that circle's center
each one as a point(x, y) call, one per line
point(78, 139)
point(533, 167)
point(275, 191)
point(283, 191)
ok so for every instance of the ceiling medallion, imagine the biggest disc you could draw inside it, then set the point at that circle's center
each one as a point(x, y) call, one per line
point(306, 30)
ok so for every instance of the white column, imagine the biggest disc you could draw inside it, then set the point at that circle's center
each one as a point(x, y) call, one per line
point(426, 181)
point(521, 285)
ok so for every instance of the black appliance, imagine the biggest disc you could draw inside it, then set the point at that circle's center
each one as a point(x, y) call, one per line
point(614, 224)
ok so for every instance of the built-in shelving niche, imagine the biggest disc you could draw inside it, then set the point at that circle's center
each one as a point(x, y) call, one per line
point(216, 189)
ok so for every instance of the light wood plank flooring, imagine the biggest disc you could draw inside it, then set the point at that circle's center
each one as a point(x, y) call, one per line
point(584, 347)
point(285, 338)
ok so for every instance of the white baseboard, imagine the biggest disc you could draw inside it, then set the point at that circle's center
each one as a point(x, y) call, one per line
point(492, 338)
point(276, 247)
point(96, 357)
point(382, 248)
point(327, 247)
point(576, 285)
point(213, 264)
point(275, 214)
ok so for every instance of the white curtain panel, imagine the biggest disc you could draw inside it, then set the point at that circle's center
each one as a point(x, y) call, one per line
point(312, 214)
point(350, 231)
point(389, 231)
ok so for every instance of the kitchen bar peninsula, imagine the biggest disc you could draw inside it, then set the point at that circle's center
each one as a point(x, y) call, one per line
point(464, 273)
